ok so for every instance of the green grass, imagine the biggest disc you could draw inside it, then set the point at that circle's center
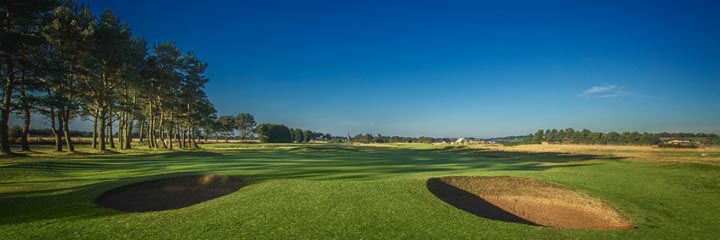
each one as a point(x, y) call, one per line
point(343, 192)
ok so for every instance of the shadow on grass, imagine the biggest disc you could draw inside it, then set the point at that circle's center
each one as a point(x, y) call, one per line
point(67, 203)
point(471, 203)
point(325, 163)
point(59, 186)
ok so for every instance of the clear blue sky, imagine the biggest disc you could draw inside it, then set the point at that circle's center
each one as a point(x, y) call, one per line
point(450, 68)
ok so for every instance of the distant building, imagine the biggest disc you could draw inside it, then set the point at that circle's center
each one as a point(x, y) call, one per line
point(460, 141)
point(678, 143)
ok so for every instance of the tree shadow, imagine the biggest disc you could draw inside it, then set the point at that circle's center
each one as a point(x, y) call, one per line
point(77, 202)
point(59, 203)
point(471, 203)
point(330, 163)
point(58, 184)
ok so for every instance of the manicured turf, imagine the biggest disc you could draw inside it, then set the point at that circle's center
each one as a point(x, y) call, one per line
point(343, 192)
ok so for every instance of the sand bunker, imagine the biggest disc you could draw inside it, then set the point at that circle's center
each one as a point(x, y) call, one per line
point(169, 193)
point(527, 201)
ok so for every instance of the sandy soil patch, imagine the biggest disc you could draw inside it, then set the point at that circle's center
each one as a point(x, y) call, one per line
point(169, 193)
point(527, 201)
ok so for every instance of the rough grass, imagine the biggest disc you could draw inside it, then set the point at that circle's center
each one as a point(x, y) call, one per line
point(328, 192)
point(638, 153)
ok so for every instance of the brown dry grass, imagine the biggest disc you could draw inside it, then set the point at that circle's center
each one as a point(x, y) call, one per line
point(636, 153)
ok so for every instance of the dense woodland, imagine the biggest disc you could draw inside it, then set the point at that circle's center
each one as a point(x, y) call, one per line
point(379, 138)
point(62, 61)
point(246, 127)
point(585, 136)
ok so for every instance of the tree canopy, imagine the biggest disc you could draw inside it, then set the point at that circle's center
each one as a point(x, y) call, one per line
point(62, 61)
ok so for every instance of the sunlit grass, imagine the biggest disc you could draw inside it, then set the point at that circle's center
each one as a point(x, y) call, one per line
point(343, 191)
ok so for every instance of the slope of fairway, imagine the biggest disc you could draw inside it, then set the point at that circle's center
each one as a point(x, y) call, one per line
point(323, 192)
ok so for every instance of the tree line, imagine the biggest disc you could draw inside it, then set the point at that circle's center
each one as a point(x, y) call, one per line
point(226, 125)
point(62, 61)
point(247, 128)
point(16, 133)
point(585, 136)
point(379, 138)
point(279, 133)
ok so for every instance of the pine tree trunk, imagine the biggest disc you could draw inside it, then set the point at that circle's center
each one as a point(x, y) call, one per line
point(178, 135)
point(162, 130)
point(154, 134)
point(141, 129)
point(66, 130)
point(26, 131)
point(57, 126)
point(103, 126)
point(95, 130)
point(152, 137)
point(129, 134)
point(171, 130)
point(7, 102)
point(192, 138)
point(110, 134)
point(184, 138)
point(26, 124)
point(121, 129)
point(110, 127)
point(151, 127)
point(150, 133)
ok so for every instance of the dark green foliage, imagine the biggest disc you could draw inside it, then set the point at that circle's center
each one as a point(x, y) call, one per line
point(379, 138)
point(307, 135)
point(298, 135)
point(245, 124)
point(20, 24)
point(227, 125)
point(424, 140)
point(538, 138)
point(570, 136)
point(63, 61)
point(46, 132)
point(273, 133)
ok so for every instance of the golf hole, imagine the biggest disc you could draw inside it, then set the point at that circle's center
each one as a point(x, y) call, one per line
point(520, 200)
point(169, 193)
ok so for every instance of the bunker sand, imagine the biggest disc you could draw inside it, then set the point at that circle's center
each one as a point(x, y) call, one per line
point(520, 200)
point(169, 193)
